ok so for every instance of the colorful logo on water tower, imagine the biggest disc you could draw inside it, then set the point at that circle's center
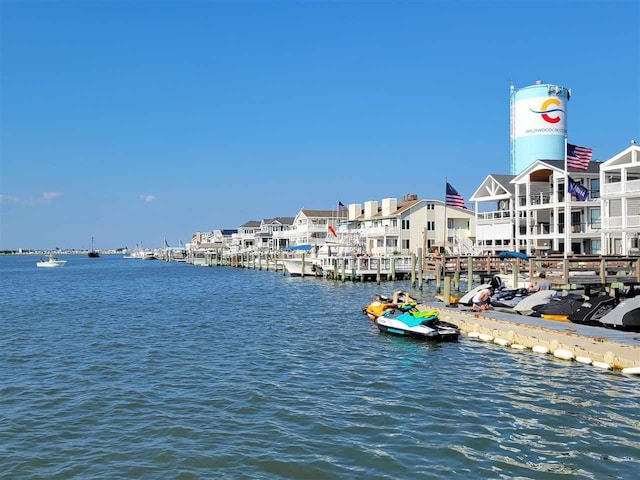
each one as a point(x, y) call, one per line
point(547, 108)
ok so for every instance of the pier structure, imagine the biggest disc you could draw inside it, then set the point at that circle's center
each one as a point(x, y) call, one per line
point(613, 271)
point(599, 347)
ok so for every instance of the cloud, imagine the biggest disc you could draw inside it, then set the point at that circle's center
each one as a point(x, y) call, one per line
point(46, 197)
point(147, 198)
point(7, 199)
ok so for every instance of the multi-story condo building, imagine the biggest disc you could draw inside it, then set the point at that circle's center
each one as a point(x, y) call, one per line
point(409, 225)
point(620, 202)
point(526, 212)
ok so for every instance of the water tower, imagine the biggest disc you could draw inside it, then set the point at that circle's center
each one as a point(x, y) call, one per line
point(538, 124)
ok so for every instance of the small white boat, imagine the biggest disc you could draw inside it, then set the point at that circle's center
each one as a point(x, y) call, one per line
point(51, 262)
point(149, 255)
point(294, 267)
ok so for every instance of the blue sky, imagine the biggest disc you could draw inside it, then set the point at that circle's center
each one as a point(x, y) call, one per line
point(138, 121)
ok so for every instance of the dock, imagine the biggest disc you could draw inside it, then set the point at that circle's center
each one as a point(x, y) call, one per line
point(599, 347)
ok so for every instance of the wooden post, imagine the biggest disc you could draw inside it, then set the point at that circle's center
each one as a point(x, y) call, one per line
point(413, 270)
point(344, 270)
point(565, 271)
point(456, 278)
point(603, 270)
point(393, 268)
point(514, 270)
point(439, 263)
point(447, 291)
point(378, 271)
point(420, 269)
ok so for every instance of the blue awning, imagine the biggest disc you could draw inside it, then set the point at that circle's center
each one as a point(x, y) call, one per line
point(305, 247)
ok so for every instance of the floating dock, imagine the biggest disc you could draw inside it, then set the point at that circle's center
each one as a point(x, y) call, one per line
point(602, 348)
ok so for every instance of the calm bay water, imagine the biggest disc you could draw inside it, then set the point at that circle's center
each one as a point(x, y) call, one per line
point(113, 368)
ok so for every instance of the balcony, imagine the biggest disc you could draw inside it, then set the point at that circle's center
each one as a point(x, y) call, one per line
point(620, 188)
point(619, 223)
point(497, 215)
point(379, 231)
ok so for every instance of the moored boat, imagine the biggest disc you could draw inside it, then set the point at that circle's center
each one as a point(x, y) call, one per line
point(51, 262)
point(93, 253)
point(295, 268)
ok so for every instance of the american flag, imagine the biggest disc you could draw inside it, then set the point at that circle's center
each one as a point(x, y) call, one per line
point(454, 199)
point(342, 207)
point(578, 157)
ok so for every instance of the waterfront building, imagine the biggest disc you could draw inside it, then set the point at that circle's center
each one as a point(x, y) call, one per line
point(307, 227)
point(404, 227)
point(620, 202)
point(245, 239)
point(208, 243)
point(264, 238)
point(527, 211)
point(495, 225)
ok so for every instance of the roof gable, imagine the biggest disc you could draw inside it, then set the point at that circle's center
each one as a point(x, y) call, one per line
point(494, 187)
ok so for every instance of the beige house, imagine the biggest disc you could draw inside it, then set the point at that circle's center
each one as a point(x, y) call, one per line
point(407, 226)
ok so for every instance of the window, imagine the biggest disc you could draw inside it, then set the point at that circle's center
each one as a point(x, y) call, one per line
point(405, 224)
point(405, 244)
point(431, 206)
point(595, 188)
point(594, 217)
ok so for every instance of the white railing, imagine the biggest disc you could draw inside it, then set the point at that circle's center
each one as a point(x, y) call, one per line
point(494, 215)
point(620, 222)
point(619, 188)
point(377, 231)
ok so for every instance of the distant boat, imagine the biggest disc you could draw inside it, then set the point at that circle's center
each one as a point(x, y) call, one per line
point(93, 253)
point(51, 262)
point(149, 255)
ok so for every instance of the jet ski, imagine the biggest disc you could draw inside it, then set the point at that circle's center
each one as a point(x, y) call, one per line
point(527, 304)
point(508, 298)
point(467, 298)
point(381, 304)
point(418, 325)
point(559, 307)
point(593, 309)
point(626, 316)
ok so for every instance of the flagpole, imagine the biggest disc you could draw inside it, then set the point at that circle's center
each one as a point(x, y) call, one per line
point(444, 243)
point(567, 212)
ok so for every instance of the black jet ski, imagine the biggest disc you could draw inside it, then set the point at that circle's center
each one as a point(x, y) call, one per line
point(593, 309)
point(559, 307)
point(626, 316)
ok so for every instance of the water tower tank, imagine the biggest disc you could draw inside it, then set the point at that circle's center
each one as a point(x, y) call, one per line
point(538, 124)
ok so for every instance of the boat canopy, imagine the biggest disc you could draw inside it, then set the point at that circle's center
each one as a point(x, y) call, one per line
point(520, 255)
point(305, 247)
